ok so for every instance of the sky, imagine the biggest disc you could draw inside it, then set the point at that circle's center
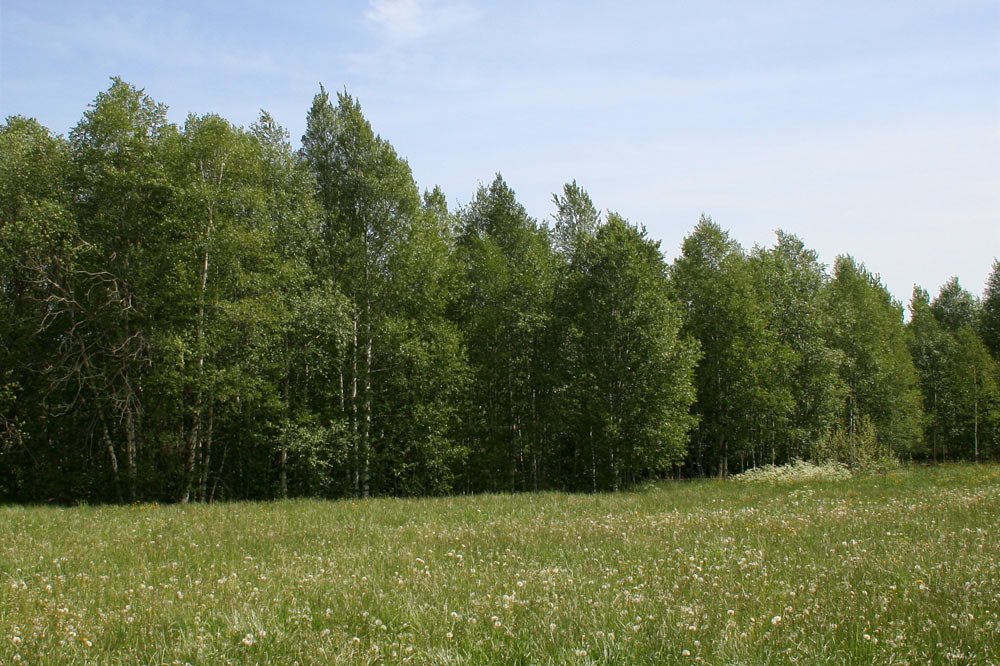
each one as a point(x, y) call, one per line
point(868, 128)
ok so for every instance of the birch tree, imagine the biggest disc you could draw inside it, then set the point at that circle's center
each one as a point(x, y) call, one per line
point(628, 371)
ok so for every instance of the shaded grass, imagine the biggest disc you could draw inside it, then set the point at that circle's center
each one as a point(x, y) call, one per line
point(902, 568)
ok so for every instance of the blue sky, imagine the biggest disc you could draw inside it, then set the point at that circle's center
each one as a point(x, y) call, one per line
point(871, 128)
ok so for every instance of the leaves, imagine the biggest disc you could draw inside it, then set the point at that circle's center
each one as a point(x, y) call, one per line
point(627, 371)
point(200, 312)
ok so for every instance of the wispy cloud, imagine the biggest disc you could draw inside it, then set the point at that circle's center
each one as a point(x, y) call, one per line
point(407, 20)
point(140, 35)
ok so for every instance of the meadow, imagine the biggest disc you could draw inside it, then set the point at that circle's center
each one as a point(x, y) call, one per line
point(901, 568)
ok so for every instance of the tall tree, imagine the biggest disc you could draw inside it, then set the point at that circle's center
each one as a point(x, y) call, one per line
point(959, 377)
point(791, 281)
point(877, 369)
point(714, 282)
point(989, 316)
point(575, 218)
point(422, 361)
point(310, 324)
point(504, 315)
point(627, 371)
point(931, 347)
point(976, 383)
point(242, 228)
point(386, 253)
point(38, 246)
point(369, 197)
point(954, 307)
point(122, 197)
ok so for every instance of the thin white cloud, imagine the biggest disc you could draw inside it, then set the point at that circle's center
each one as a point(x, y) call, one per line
point(142, 36)
point(400, 19)
point(408, 20)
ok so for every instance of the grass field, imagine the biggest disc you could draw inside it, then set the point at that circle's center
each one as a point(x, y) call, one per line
point(903, 568)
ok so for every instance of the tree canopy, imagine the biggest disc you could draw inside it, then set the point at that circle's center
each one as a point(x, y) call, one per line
point(200, 312)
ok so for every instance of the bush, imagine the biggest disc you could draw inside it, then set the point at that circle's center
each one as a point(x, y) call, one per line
point(860, 450)
point(795, 471)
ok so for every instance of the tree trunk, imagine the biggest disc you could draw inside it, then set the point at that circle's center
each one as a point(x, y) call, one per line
point(194, 436)
point(130, 453)
point(207, 458)
point(283, 470)
point(215, 483)
point(934, 447)
point(286, 409)
point(189, 461)
point(975, 403)
point(355, 444)
point(367, 424)
point(106, 438)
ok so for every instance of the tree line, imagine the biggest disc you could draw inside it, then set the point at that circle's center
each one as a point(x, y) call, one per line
point(198, 312)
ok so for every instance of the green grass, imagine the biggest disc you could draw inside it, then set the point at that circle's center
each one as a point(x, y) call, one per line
point(898, 569)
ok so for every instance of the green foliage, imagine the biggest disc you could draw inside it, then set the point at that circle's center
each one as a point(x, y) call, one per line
point(955, 308)
point(201, 313)
point(858, 448)
point(403, 372)
point(316, 452)
point(877, 369)
point(989, 316)
point(959, 377)
point(575, 218)
point(241, 250)
point(33, 200)
point(37, 246)
point(740, 400)
point(627, 373)
point(806, 383)
point(504, 313)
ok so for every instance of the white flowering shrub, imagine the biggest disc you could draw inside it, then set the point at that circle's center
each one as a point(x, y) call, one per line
point(798, 470)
